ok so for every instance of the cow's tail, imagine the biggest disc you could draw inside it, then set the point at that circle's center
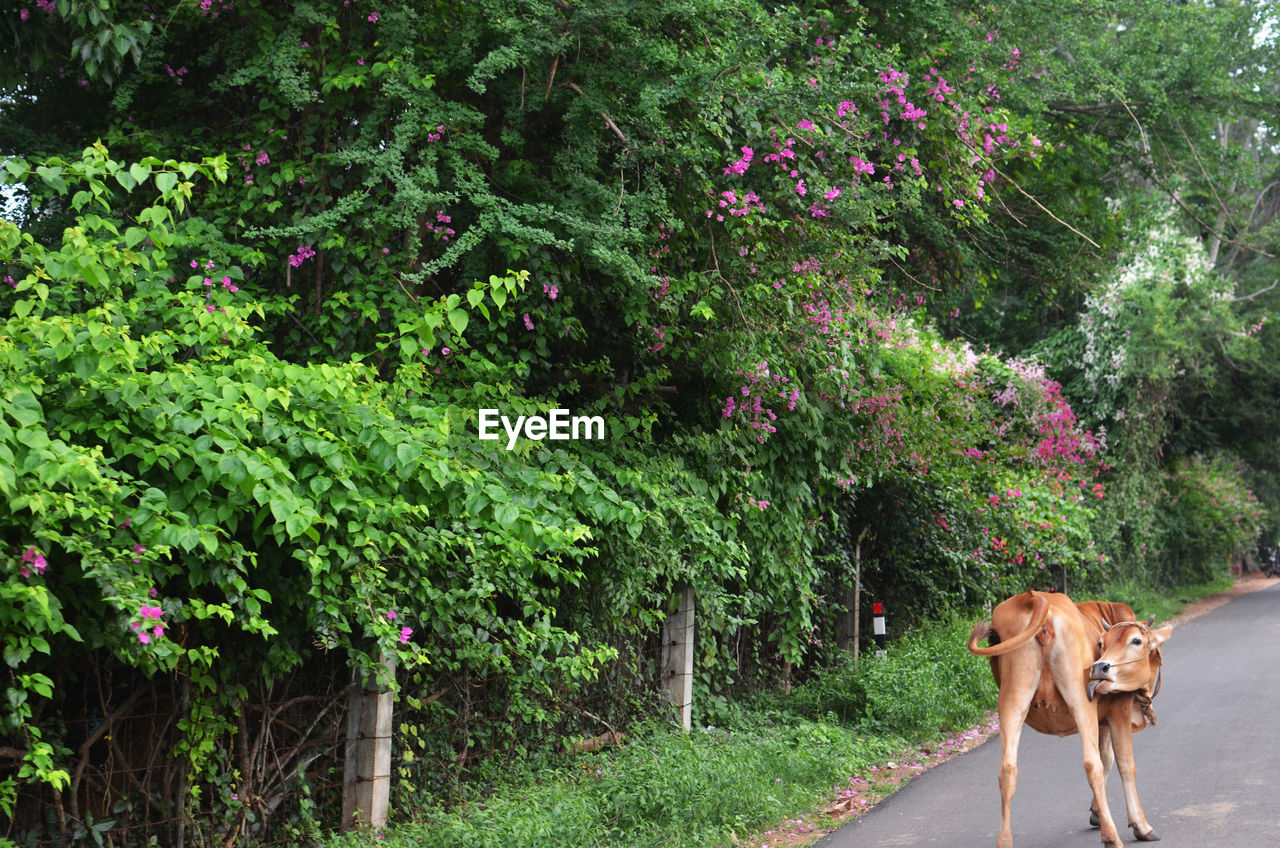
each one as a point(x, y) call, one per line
point(1039, 613)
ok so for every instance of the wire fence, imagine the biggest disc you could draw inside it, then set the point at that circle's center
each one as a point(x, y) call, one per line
point(272, 771)
point(277, 762)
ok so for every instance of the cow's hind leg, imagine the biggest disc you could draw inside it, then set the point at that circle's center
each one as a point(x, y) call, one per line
point(1122, 736)
point(1107, 755)
point(1013, 704)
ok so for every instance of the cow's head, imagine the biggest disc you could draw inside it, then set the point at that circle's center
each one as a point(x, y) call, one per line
point(1128, 657)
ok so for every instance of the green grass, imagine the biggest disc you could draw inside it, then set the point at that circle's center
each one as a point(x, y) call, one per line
point(1163, 603)
point(661, 789)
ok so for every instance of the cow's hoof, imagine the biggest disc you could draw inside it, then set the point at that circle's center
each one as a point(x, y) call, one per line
point(1149, 836)
point(1093, 818)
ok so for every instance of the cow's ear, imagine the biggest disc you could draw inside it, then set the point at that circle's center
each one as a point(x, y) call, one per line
point(1162, 634)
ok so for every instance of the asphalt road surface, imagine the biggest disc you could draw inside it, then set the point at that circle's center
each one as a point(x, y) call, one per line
point(1208, 773)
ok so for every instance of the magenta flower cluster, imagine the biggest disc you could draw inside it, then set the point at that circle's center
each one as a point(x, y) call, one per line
point(143, 627)
point(302, 254)
point(177, 75)
point(729, 202)
point(740, 167)
point(32, 559)
point(761, 383)
point(211, 285)
point(405, 632)
point(211, 9)
point(657, 254)
point(440, 226)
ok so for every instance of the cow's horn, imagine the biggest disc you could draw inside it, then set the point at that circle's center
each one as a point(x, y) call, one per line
point(1151, 620)
point(1106, 625)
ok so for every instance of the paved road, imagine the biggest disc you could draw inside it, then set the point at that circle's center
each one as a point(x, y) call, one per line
point(1208, 774)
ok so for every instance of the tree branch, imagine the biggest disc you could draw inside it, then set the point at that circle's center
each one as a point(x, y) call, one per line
point(1274, 283)
point(1043, 208)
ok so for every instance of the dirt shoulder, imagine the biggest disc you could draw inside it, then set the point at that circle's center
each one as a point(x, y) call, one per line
point(867, 789)
point(1245, 584)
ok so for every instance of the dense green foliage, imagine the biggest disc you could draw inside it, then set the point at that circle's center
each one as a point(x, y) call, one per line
point(979, 292)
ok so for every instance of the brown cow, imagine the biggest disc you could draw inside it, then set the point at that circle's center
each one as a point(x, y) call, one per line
point(1062, 668)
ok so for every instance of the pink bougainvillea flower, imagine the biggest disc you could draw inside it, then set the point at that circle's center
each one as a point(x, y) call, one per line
point(144, 637)
point(150, 612)
point(528, 322)
point(740, 167)
point(391, 615)
point(373, 18)
point(302, 254)
point(37, 560)
point(405, 633)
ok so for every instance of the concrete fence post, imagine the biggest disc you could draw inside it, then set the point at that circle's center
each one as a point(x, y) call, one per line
point(366, 781)
point(849, 623)
point(677, 657)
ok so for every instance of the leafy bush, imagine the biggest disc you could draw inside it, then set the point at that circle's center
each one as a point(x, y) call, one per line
point(926, 682)
point(1209, 517)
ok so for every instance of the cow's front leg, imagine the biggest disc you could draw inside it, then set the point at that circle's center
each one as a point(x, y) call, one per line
point(1085, 714)
point(1122, 740)
point(1094, 772)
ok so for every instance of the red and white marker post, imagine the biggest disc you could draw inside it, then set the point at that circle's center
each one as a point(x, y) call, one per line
point(877, 625)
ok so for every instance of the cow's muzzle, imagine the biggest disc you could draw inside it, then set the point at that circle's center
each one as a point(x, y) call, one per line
point(1099, 674)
